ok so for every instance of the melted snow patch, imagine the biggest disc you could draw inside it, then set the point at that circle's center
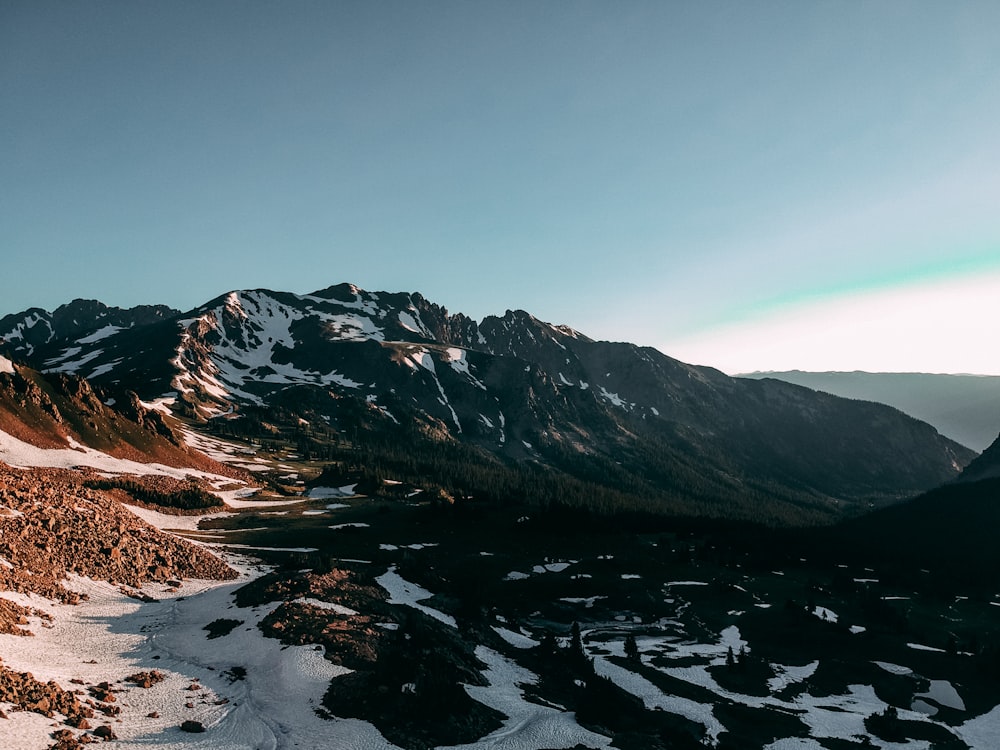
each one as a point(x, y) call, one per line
point(785, 676)
point(409, 594)
point(99, 334)
point(943, 693)
point(515, 639)
point(825, 614)
point(329, 493)
point(654, 698)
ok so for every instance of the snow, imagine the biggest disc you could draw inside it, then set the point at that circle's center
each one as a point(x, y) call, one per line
point(785, 676)
point(515, 639)
point(406, 320)
point(516, 575)
point(99, 334)
point(686, 583)
point(982, 732)
point(459, 361)
point(825, 614)
point(64, 363)
point(261, 549)
point(104, 369)
point(614, 399)
point(528, 725)
point(557, 567)
point(943, 693)
point(167, 521)
point(652, 697)
point(921, 647)
point(354, 525)
point(795, 743)
point(263, 323)
point(111, 636)
point(327, 493)
point(318, 603)
point(19, 454)
point(409, 594)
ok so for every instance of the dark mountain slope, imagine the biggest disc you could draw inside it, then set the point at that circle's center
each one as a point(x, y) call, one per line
point(35, 333)
point(966, 408)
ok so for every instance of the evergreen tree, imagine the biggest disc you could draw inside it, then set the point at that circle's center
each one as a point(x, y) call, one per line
point(631, 649)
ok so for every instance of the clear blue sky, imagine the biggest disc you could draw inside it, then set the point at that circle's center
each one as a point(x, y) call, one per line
point(648, 171)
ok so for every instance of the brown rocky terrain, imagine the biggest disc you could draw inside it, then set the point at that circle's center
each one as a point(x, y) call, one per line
point(46, 410)
point(53, 524)
point(351, 640)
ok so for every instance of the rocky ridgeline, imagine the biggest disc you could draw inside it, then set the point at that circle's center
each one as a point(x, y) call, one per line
point(52, 524)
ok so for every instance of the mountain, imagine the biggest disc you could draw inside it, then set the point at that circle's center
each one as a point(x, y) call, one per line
point(87, 320)
point(966, 408)
point(351, 368)
point(948, 531)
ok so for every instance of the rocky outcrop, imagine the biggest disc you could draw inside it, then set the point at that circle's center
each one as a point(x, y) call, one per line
point(24, 693)
point(54, 525)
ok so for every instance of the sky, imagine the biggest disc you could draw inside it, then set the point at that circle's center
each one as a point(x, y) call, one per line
point(752, 186)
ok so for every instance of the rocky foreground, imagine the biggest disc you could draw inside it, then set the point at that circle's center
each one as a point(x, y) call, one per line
point(53, 524)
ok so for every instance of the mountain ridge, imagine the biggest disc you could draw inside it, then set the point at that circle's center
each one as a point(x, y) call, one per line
point(964, 407)
point(511, 386)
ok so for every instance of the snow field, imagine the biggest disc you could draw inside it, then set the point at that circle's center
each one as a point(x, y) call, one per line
point(111, 636)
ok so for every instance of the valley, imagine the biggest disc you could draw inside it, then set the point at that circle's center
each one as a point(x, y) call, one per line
point(386, 620)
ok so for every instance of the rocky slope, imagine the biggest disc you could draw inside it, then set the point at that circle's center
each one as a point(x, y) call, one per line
point(60, 410)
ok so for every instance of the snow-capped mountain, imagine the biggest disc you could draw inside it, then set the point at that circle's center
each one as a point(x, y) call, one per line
point(81, 320)
point(514, 386)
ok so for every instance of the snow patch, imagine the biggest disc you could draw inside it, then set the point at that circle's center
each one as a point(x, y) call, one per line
point(409, 594)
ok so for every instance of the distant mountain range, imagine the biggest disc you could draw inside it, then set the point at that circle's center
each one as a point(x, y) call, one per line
point(966, 408)
point(352, 364)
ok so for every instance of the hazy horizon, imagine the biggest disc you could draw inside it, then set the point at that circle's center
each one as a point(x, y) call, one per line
point(770, 186)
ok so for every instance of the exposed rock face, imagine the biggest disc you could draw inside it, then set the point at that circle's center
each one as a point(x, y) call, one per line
point(57, 410)
point(351, 640)
point(53, 525)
